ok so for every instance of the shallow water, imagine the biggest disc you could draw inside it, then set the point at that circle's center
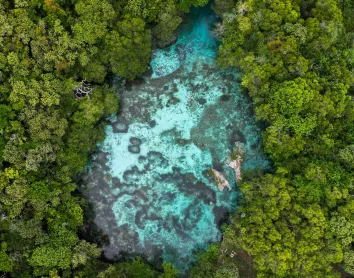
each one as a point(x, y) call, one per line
point(149, 181)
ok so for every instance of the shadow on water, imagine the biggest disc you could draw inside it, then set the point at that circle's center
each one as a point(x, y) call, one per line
point(148, 183)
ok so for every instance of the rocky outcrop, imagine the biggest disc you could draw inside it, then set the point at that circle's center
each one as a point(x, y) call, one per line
point(220, 180)
point(236, 165)
point(236, 160)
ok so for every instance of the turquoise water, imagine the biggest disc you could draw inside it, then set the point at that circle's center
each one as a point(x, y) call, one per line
point(149, 182)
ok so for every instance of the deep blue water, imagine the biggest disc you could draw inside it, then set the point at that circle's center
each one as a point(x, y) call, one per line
point(149, 182)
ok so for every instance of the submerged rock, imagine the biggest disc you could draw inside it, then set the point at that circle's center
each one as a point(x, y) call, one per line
point(119, 127)
point(236, 160)
point(152, 123)
point(202, 101)
point(134, 149)
point(135, 141)
point(225, 97)
point(220, 180)
point(236, 165)
point(183, 142)
point(238, 136)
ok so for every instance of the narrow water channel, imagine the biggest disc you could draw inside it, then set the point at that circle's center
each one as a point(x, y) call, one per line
point(149, 182)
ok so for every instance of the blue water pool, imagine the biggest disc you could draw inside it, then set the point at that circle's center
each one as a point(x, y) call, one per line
point(149, 181)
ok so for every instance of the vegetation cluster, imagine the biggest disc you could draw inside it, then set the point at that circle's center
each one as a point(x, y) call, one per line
point(297, 60)
point(55, 57)
point(297, 64)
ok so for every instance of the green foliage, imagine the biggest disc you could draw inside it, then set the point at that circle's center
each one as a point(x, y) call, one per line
point(295, 57)
point(168, 21)
point(94, 18)
point(349, 261)
point(283, 232)
point(83, 252)
point(129, 47)
point(47, 131)
point(224, 7)
point(215, 262)
point(6, 263)
point(49, 257)
point(6, 114)
point(184, 5)
point(347, 155)
point(110, 272)
point(227, 270)
point(135, 269)
point(206, 262)
point(168, 271)
point(297, 61)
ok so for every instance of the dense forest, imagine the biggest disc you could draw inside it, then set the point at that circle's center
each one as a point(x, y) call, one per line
point(296, 58)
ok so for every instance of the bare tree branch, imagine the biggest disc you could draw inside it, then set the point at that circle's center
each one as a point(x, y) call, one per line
point(83, 89)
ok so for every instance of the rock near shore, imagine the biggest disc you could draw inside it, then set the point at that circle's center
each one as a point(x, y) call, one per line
point(220, 180)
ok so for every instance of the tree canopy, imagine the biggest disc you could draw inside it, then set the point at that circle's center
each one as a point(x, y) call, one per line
point(295, 64)
point(50, 51)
